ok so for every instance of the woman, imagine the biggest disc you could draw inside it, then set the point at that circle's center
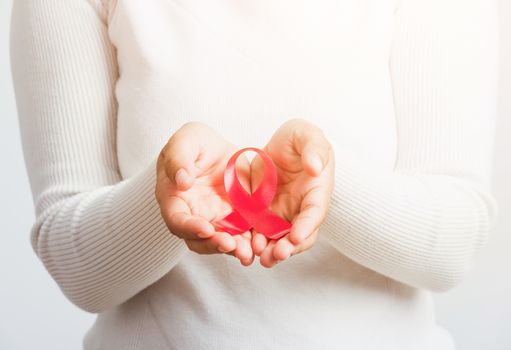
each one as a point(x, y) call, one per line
point(379, 116)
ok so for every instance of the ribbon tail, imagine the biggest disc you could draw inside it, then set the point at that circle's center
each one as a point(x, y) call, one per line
point(233, 224)
point(271, 225)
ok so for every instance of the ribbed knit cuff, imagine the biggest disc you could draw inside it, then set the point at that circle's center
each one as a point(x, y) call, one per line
point(106, 245)
point(421, 229)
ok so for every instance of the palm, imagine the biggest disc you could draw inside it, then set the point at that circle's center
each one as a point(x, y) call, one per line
point(290, 193)
point(207, 198)
point(294, 183)
point(303, 191)
point(191, 201)
point(291, 181)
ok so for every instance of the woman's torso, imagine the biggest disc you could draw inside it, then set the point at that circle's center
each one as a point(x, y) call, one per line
point(244, 67)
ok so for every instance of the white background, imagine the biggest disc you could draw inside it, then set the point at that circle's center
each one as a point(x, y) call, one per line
point(35, 315)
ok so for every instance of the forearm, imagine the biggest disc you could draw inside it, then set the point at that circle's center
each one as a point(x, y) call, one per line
point(105, 245)
point(424, 230)
point(100, 236)
point(424, 221)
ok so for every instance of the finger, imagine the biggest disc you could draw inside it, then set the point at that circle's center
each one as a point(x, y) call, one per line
point(266, 258)
point(312, 145)
point(213, 245)
point(306, 244)
point(202, 247)
point(178, 159)
point(243, 249)
point(181, 222)
point(259, 242)
point(223, 241)
point(191, 151)
point(305, 224)
point(188, 226)
point(315, 155)
point(283, 248)
point(312, 213)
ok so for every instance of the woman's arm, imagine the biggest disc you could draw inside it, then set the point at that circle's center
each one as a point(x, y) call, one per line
point(100, 237)
point(424, 223)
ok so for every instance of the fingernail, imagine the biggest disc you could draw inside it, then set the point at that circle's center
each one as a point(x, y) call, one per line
point(181, 176)
point(203, 234)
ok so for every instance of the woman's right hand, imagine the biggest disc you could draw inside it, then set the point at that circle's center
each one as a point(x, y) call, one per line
point(191, 194)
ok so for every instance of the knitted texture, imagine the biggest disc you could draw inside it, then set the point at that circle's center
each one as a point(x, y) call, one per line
point(404, 90)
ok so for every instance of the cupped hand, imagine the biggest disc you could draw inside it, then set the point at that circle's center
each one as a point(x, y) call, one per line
point(191, 194)
point(305, 165)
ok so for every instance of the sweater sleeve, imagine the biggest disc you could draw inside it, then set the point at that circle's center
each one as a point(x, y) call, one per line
point(424, 222)
point(100, 237)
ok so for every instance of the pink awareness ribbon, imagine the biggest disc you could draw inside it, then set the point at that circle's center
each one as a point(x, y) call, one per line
point(252, 210)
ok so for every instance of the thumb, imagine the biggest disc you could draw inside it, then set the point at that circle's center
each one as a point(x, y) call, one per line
point(179, 156)
point(179, 165)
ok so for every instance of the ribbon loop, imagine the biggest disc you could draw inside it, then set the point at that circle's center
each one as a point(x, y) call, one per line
point(252, 210)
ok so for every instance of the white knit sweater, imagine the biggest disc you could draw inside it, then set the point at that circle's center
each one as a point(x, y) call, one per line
point(403, 89)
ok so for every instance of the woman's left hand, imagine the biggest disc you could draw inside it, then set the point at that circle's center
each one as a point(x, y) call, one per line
point(305, 166)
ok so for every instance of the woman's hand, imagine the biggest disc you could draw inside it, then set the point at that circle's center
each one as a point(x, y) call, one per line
point(305, 167)
point(191, 194)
